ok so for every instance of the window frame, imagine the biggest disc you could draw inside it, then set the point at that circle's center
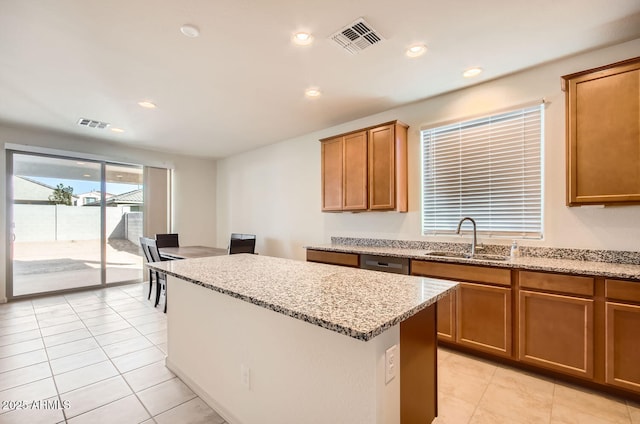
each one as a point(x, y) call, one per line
point(519, 232)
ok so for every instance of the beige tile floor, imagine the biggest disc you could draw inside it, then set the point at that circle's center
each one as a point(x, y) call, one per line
point(92, 357)
point(477, 391)
point(99, 355)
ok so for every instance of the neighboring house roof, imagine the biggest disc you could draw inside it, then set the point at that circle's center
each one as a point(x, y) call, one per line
point(91, 197)
point(133, 197)
point(93, 193)
point(27, 190)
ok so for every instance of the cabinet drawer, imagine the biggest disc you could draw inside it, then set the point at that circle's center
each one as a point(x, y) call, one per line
point(334, 258)
point(501, 277)
point(623, 290)
point(570, 284)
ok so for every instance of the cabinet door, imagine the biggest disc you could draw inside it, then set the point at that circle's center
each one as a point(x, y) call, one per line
point(603, 124)
point(332, 174)
point(355, 172)
point(623, 345)
point(484, 318)
point(382, 168)
point(556, 332)
point(446, 318)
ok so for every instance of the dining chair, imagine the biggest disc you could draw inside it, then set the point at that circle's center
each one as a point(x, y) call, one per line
point(161, 278)
point(242, 243)
point(147, 257)
point(167, 240)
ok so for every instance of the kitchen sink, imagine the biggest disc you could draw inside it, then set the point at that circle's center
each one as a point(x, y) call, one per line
point(449, 254)
point(484, 257)
point(462, 255)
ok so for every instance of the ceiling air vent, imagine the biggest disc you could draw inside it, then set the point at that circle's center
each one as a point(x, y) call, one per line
point(91, 123)
point(357, 36)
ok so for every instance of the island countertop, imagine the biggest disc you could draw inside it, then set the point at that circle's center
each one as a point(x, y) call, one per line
point(355, 302)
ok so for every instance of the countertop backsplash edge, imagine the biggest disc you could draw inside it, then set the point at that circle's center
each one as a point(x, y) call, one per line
point(587, 255)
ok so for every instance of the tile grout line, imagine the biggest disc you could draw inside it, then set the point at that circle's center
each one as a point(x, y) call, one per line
point(475, 409)
point(174, 407)
point(134, 392)
point(34, 314)
point(99, 346)
point(553, 399)
point(120, 374)
point(55, 384)
point(112, 364)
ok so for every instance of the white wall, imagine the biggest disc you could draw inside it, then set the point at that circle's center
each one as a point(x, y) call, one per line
point(275, 191)
point(298, 372)
point(193, 186)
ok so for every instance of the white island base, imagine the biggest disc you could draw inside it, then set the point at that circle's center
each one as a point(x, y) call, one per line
point(257, 366)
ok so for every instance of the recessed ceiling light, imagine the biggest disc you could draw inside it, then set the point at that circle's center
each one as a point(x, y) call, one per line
point(312, 92)
point(118, 176)
point(189, 30)
point(117, 130)
point(416, 50)
point(86, 175)
point(302, 38)
point(472, 72)
point(147, 104)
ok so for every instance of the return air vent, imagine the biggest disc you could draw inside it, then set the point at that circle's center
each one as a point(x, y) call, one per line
point(91, 123)
point(357, 36)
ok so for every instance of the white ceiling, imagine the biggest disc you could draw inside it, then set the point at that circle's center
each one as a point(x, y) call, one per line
point(240, 84)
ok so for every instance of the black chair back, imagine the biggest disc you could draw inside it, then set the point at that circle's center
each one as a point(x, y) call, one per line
point(154, 253)
point(242, 243)
point(243, 236)
point(161, 278)
point(145, 249)
point(167, 240)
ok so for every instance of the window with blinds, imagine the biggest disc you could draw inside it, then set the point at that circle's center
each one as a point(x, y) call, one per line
point(489, 169)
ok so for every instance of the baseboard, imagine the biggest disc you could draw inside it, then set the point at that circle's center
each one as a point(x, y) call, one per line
point(223, 412)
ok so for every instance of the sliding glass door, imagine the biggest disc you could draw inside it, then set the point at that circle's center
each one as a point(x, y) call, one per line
point(124, 224)
point(73, 223)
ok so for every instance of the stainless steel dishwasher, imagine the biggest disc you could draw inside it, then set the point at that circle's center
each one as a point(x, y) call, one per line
point(385, 264)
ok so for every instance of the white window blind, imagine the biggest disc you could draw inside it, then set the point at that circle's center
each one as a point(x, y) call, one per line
point(488, 169)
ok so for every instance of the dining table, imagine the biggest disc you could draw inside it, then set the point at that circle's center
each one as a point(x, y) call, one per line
point(189, 252)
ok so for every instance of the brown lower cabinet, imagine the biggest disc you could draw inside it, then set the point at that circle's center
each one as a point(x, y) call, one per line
point(483, 318)
point(622, 329)
point(479, 314)
point(585, 328)
point(556, 332)
point(556, 322)
point(579, 326)
point(447, 318)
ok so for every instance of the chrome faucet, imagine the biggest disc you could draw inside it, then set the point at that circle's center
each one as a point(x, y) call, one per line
point(475, 239)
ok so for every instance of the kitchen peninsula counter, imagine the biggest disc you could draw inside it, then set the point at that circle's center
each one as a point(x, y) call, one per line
point(265, 339)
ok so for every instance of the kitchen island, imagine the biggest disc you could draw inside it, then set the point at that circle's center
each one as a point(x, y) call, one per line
point(271, 340)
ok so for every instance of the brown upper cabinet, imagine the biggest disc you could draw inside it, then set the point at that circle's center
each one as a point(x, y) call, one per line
point(366, 169)
point(603, 134)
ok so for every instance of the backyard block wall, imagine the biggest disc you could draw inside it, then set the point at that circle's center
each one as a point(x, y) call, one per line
point(133, 226)
point(61, 222)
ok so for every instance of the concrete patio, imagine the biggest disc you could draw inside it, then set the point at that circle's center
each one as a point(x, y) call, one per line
point(56, 265)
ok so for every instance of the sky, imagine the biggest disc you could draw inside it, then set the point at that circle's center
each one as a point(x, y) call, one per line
point(80, 187)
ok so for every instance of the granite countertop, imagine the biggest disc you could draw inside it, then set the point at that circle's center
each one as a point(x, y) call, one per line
point(552, 264)
point(354, 302)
